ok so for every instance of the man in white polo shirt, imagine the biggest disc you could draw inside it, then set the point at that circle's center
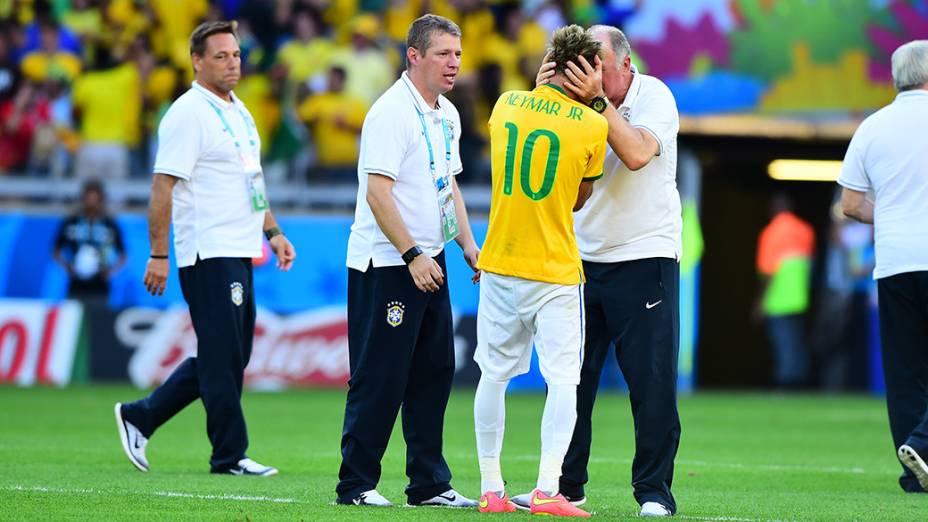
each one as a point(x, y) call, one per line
point(400, 335)
point(208, 173)
point(630, 240)
point(887, 156)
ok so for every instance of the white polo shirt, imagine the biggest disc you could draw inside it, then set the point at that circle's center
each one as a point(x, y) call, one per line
point(393, 144)
point(889, 156)
point(212, 212)
point(637, 214)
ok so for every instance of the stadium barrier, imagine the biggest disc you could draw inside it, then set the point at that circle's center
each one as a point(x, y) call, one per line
point(301, 337)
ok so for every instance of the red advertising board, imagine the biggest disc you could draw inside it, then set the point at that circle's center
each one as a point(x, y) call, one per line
point(38, 341)
point(308, 349)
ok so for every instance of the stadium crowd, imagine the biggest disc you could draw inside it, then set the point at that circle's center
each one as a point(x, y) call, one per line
point(84, 83)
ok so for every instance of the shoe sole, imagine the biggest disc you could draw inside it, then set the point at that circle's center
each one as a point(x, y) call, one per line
point(269, 473)
point(124, 438)
point(576, 503)
point(449, 506)
point(911, 460)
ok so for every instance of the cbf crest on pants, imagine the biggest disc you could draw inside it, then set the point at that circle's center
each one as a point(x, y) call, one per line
point(237, 293)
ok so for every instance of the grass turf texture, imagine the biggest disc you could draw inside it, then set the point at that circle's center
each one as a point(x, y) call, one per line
point(742, 458)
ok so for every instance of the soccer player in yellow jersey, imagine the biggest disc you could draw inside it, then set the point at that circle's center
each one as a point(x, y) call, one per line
point(546, 149)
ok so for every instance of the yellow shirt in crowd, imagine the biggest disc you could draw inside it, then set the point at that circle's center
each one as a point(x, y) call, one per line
point(305, 60)
point(335, 146)
point(542, 146)
point(110, 102)
point(39, 66)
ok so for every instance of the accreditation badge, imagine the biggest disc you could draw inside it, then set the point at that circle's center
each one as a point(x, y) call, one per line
point(257, 189)
point(449, 218)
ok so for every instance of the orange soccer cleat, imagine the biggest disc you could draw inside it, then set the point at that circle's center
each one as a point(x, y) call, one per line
point(490, 502)
point(543, 504)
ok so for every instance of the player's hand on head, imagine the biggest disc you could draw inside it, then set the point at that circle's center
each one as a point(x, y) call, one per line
point(546, 71)
point(585, 80)
point(426, 273)
point(284, 251)
point(156, 276)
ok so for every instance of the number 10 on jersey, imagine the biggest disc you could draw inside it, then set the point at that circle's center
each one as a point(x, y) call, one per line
point(525, 171)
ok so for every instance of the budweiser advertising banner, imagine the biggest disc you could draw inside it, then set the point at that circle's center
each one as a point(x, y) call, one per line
point(299, 350)
point(38, 341)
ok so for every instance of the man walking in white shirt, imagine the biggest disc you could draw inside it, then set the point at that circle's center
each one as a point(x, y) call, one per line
point(208, 173)
point(887, 155)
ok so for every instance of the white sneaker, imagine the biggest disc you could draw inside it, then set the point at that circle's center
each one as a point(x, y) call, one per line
point(450, 498)
point(654, 509)
point(247, 466)
point(133, 442)
point(912, 460)
point(524, 501)
point(369, 498)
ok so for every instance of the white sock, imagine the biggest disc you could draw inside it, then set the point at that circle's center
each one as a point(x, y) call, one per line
point(489, 424)
point(557, 428)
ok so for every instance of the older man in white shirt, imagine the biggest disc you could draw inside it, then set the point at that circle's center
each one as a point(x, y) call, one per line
point(888, 157)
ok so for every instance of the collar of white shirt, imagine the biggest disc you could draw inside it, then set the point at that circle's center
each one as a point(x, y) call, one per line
point(417, 97)
point(211, 96)
point(913, 94)
point(633, 90)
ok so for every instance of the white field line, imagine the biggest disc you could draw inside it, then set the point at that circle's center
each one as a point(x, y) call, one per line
point(169, 494)
point(278, 500)
point(725, 519)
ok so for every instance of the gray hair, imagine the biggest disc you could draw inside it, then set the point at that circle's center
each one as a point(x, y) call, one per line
point(910, 65)
point(422, 28)
point(617, 40)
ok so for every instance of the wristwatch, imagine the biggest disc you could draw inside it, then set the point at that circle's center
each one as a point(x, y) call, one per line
point(273, 231)
point(599, 104)
point(411, 254)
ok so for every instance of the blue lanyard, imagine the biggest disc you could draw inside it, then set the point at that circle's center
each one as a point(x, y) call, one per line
point(428, 140)
point(225, 124)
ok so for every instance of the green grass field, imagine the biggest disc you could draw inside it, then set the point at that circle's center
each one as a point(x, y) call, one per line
point(742, 458)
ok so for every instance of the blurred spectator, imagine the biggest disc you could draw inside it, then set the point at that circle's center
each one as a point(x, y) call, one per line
point(178, 19)
point(477, 24)
point(369, 68)
point(84, 19)
point(334, 118)
point(518, 50)
point(107, 103)
point(261, 91)
point(9, 71)
point(21, 117)
point(89, 245)
point(842, 329)
point(784, 263)
point(50, 60)
point(36, 33)
point(308, 53)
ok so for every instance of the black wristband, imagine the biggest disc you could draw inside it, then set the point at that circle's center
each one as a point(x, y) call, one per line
point(153, 256)
point(411, 254)
point(273, 231)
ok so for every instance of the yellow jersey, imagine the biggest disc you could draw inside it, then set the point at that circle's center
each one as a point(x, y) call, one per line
point(543, 145)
